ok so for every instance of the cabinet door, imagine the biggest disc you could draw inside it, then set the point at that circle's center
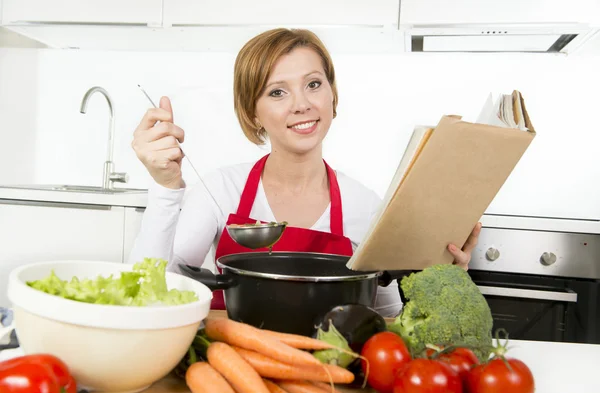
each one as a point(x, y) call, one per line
point(83, 11)
point(379, 13)
point(45, 231)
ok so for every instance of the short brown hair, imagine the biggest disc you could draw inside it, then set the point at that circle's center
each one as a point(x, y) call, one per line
point(253, 67)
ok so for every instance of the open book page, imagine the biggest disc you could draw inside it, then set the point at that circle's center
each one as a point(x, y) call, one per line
point(415, 145)
point(518, 112)
point(506, 111)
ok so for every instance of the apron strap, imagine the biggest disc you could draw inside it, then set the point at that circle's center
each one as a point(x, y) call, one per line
point(336, 222)
point(249, 195)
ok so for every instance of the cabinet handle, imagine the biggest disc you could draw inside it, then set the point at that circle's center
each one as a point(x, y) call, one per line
point(69, 205)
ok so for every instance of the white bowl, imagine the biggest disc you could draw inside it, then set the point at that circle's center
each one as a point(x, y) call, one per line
point(107, 348)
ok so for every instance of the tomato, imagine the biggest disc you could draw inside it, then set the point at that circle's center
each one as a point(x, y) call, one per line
point(461, 360)
point(28, 378)
point(496, 377)
point(36, 373)
point(59, 369)
point(386, 353)
point(427, 376)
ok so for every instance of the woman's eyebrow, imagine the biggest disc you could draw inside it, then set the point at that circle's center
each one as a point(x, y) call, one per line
point(305, 76)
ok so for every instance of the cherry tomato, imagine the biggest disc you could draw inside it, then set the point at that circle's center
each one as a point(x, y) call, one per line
point(461, 360)
point(427, 376)
point(495, 377)
point(386, 353)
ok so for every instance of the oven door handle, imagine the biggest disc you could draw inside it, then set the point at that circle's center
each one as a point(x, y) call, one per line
point(568, 296)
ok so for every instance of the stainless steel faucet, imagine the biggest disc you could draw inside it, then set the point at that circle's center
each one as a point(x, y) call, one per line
point(109, 176)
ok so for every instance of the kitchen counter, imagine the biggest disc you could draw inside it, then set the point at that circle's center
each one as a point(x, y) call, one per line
point(138, 198)
point(19, 194)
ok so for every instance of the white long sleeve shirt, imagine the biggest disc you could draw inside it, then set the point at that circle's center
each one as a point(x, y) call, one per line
point(184, 225)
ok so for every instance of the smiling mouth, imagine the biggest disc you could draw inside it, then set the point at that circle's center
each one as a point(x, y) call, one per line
point(304, 126)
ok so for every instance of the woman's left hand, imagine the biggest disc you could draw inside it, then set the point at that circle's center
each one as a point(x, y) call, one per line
point(463, 257)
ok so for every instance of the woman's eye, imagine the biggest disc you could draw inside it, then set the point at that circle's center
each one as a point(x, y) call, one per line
point(276, 93)
point(314, 84)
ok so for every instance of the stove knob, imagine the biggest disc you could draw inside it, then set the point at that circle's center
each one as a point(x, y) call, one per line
point(492, 254)
point(548, 258)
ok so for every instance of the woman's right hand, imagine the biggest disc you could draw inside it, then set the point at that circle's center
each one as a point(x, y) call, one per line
point(157, 145)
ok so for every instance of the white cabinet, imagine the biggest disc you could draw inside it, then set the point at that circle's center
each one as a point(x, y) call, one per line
point(82, 11)
point(131, 228)
point(343, 13)
point(41, 231)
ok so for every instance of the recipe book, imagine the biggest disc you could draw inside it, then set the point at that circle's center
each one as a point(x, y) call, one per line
point(448, 176)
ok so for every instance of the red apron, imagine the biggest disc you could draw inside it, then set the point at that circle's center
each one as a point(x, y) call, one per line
point(293, 239)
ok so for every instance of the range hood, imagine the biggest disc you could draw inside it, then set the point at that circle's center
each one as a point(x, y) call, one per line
point(534, 26)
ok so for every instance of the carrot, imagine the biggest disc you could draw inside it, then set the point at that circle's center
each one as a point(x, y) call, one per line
point(273, 387)
point(201, 377)
point(298, 341)
point(246, 336)
point(271, 368)
point(300, 387)
point(242, 377)
point(325, 387)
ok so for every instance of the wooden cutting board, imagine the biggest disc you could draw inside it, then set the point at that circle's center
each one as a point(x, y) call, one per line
point(172, 384)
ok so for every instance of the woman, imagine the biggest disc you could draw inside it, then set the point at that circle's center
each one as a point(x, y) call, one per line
point(284, 90)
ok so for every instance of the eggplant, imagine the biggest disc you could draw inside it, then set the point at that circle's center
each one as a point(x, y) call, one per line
point(355, 322)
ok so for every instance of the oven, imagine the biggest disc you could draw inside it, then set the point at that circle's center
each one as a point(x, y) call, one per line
point(541, 284)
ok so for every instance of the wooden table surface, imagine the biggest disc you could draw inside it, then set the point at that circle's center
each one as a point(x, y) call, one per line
point(172, 384)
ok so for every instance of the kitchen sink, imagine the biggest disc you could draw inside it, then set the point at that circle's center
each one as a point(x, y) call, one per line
point(77, 188)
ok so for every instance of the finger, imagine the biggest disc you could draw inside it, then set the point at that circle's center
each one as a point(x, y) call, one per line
point(165, 103)
point(162, 130)
point(472, 239)
point(174, 154)
point(152, 116)
point(163, 158)
point(457, 253)
point(460, 257)
point(164, 143)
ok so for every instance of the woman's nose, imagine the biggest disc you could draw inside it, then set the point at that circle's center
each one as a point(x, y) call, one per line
point(301, 103)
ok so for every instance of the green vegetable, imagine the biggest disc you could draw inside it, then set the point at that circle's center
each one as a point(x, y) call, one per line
point(196, 353)
point(444, 308)
point(333, 356)
point(145, 285)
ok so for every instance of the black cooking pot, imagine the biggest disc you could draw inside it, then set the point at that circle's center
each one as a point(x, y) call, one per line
point(289, 291)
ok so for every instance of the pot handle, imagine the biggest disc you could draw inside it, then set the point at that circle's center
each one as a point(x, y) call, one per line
point(208, 278)
point(388, 276)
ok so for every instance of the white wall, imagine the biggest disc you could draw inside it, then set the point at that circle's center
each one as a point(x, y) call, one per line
point(18, 113)
point(381, 99)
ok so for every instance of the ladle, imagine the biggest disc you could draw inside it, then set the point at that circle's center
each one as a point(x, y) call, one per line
point(253, 236)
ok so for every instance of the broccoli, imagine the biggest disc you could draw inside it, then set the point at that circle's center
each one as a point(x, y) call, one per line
point(444, 308)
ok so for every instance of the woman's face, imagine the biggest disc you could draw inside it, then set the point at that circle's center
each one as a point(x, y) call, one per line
point(296, 107)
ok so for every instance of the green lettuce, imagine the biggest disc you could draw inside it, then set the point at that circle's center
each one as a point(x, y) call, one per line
point(145, 285)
